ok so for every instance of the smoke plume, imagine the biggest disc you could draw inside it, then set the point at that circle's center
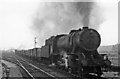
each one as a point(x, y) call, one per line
point(55, 18)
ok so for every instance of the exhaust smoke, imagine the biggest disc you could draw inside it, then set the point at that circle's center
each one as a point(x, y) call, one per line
point(54, 18)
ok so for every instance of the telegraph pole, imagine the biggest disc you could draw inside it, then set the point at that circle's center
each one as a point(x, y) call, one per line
point(35, 42)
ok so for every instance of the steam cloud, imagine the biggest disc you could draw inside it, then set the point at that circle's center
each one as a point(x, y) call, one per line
point(55, 18)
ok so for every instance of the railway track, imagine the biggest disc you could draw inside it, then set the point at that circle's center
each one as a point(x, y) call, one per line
point(33, 71)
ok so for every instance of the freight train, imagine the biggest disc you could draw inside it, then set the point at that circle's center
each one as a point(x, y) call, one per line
point(76, 52)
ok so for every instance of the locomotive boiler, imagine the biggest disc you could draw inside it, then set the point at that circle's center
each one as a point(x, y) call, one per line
point(83, 39)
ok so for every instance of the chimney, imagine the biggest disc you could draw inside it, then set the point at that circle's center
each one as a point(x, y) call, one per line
point(85, 27)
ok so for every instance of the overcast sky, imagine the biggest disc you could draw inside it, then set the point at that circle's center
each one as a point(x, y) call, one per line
point(16, 17)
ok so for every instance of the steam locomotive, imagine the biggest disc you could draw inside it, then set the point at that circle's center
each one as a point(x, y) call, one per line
point(76, 52)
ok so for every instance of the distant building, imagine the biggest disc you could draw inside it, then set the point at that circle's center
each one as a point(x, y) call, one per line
point(113, 53)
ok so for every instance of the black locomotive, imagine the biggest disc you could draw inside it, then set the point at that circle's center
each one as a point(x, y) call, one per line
point(76, 52)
